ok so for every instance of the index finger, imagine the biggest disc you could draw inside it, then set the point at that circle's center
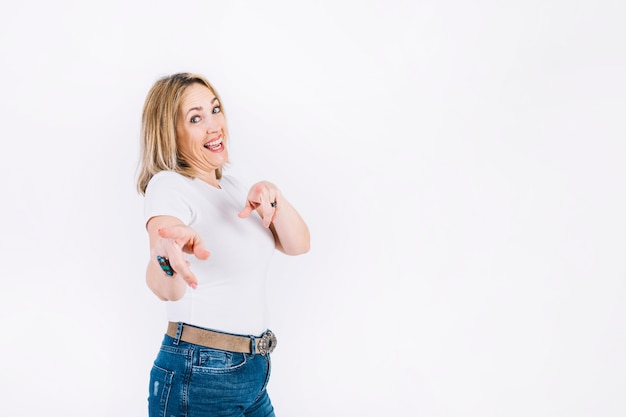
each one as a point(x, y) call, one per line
point(187, 238)
point(178, 231)
point(246, 211)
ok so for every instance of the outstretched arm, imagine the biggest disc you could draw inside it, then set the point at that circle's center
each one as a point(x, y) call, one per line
point(290, 231)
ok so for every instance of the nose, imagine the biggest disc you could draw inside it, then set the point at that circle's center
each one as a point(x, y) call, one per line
point(212, 123)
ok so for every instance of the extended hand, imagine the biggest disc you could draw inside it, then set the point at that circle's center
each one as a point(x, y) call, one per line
point(264, 197)
point(174, 242)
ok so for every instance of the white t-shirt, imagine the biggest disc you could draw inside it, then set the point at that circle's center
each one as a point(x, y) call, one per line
point(231, 292)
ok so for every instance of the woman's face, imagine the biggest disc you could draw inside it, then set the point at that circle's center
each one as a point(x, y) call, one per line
point(201, 129)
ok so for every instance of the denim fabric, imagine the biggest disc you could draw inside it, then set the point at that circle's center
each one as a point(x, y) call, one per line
point(195, 381)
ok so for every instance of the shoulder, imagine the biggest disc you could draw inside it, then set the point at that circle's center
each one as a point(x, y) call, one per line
point(169, 194)
point(167, 179)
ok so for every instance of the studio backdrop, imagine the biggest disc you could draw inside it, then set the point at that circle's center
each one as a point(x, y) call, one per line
point(461, 167)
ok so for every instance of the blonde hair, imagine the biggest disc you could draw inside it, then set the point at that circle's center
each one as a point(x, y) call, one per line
point(159, 151)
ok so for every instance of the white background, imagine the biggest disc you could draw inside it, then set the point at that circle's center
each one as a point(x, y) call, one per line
point(461, 166)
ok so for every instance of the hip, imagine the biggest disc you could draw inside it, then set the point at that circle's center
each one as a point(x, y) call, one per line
point(187, 376)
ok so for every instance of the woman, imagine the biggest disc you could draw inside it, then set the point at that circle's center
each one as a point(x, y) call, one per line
point(209, 256)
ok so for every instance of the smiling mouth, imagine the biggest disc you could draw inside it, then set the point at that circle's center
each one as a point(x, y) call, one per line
point(215, 145)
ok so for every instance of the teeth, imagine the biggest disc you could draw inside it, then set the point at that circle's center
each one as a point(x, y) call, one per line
point(214, 144)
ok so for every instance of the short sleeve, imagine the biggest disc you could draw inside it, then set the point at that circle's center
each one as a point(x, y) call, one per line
point(165, 196)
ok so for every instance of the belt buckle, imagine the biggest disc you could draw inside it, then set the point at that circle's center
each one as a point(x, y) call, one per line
point(267, 343)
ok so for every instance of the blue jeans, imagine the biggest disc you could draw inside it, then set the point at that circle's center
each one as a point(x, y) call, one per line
point(195, 381)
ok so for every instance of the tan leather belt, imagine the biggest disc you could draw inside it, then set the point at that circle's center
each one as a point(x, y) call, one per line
point(216, 340)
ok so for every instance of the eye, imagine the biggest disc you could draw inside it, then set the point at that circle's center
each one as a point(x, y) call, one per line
point(195, 119)
point(217, 109)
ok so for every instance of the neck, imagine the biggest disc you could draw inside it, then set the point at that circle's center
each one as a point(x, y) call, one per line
point(209, 178)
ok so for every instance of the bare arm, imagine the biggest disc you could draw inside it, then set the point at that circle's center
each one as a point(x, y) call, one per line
point(290, 231)
point(170, 238)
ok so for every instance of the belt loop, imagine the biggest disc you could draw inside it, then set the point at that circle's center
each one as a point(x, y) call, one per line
point(252, 345)
point(179, 333)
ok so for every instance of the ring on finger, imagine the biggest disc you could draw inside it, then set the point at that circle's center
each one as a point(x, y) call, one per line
point(164, 263)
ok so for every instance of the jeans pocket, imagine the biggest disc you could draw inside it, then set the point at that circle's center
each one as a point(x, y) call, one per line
point(160, 387)
point(218, 361)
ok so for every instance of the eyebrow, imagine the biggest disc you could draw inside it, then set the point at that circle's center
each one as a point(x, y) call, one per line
point(200, 108)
